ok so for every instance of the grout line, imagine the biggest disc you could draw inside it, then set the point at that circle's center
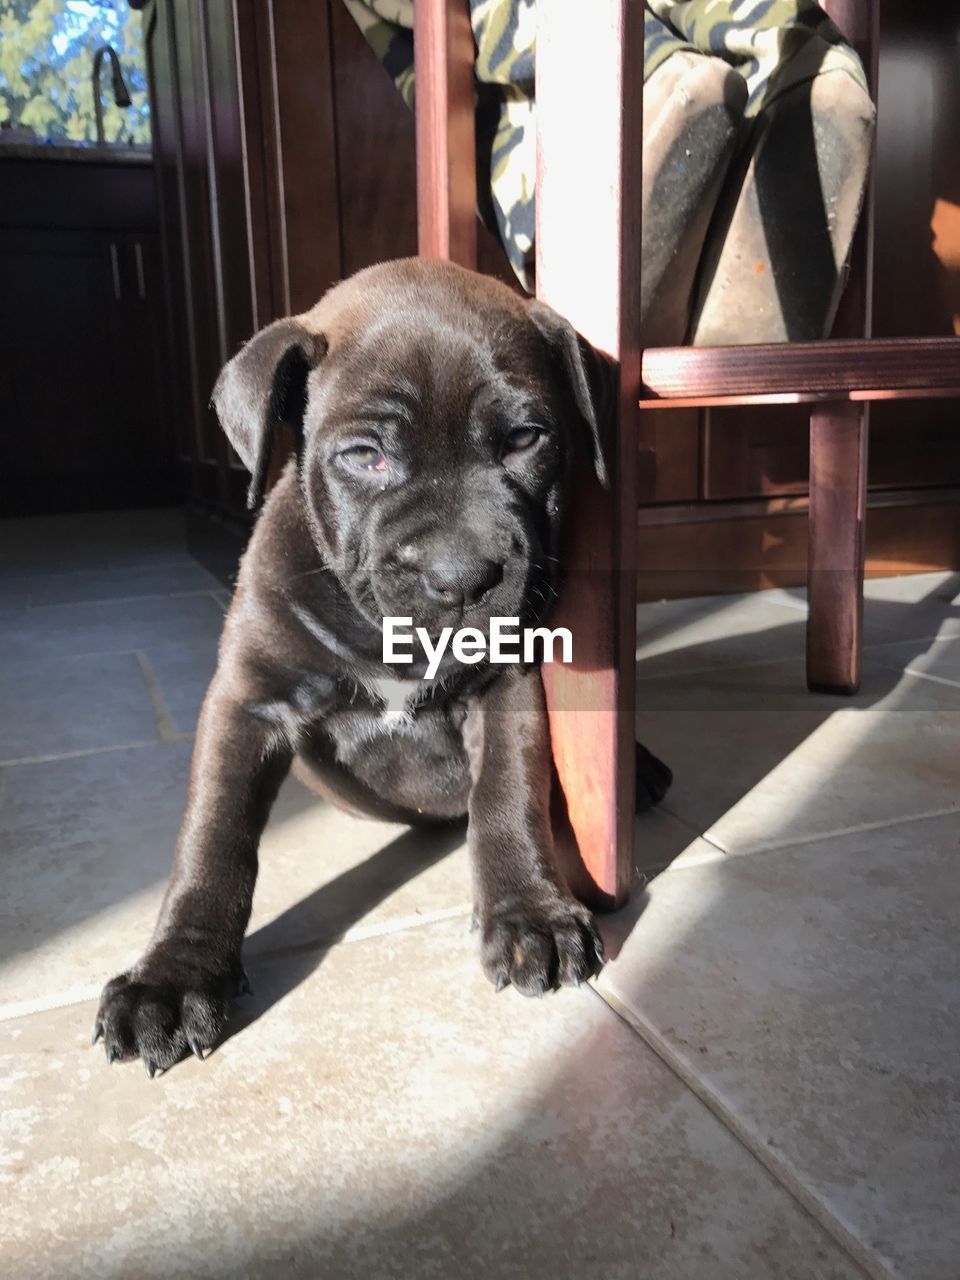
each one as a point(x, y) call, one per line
point(683, 671)
point(926, 675)
point(816, 837)
point(362, 933)
point(136, 598)
point(166, 729)
point(777, 1166)
point(741, 664)
point(91, 751)
point(902, 640)
point(99, 653)
point(358, 933)
point(43, 1004)
point(798, 606)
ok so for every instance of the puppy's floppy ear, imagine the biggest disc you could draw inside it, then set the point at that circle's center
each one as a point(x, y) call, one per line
point(265, 384)
point(585, 373)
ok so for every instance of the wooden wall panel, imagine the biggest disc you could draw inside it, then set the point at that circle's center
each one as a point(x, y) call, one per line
point(917, 281)
point(200, 310)
point(306, 174)
point(376, 149)
point(739, 550)
point(160, 51)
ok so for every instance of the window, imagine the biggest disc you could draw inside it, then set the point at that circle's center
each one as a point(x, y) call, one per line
point(46, 72)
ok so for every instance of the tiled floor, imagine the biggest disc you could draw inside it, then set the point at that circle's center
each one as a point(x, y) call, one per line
point(762, 1084)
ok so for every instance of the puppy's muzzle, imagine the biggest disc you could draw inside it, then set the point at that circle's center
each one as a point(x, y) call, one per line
point(450, 576)
point(454, 581)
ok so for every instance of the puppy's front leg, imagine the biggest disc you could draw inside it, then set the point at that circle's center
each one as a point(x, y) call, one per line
point(534, 932)
point(174, 999)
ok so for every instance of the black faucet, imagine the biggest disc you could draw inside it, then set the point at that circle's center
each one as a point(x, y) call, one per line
point(121, 94)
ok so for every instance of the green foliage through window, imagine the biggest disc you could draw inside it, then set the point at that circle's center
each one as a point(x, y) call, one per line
point(46, 66)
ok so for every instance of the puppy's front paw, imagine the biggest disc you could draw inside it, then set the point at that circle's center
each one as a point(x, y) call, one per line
point(164, 1009)
point(540, 943)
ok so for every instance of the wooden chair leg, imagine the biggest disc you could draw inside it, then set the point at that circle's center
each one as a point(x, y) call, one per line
point(838, 494)
point(838, 443)
point(588, 269)
point(446, 139)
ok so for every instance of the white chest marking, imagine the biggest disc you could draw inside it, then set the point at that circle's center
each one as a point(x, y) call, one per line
point(398, 697)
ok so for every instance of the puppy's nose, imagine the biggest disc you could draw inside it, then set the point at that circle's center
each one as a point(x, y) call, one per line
point(457, 583)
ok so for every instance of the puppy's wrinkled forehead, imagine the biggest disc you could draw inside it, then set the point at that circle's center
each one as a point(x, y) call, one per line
point(435, 369)
point(419, 360)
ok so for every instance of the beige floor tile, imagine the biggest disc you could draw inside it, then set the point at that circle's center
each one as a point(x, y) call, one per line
point(385, 1115)
point(14, 591)
point(86, 846)
point(94, 540)
point(52, 707)
point(752, 779)
point(713, 631)
point(92, 585)
point(922, 604)
point(938, 660)
point(183, 673)
point(663, 840)
point(119, 626)
point(716, 630)
point(892, 603)
point(811, 993)
point(781, 686)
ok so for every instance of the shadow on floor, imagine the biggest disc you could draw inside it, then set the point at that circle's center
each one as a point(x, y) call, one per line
point(328, 913)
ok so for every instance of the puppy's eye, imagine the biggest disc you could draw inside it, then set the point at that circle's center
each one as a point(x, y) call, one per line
point(521, 438)
point(364, 457)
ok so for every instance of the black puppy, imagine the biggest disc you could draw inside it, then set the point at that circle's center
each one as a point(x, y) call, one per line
point(437, 417)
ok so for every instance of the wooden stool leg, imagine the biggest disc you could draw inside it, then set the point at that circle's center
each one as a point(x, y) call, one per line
point(838, 495)
point(588, 269)
point(446, 139)
point(838, 443)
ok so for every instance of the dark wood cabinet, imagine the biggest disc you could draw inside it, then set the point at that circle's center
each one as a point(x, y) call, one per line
point(82, 335)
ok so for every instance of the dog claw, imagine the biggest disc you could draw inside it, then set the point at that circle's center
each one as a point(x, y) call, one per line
point(97, 1033)
point(196, 1049)
point(113, 1054)
point(151, 1068)
point(474, 922)
point(501, 981)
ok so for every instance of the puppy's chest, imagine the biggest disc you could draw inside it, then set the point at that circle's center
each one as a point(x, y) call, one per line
point(397, 702)
point(386, 708)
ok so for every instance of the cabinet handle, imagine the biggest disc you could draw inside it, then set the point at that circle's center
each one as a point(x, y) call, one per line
point(141, 282)
point(115, 268)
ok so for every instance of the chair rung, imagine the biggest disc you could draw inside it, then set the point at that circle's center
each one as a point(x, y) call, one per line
point(791, 372)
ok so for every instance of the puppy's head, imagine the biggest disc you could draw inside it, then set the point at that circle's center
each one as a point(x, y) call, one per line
point(437, 416)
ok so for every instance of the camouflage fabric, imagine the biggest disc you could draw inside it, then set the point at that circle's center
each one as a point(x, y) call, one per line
point(774, 44)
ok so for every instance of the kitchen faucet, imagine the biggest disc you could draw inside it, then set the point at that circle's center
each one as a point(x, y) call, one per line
point(121, 94)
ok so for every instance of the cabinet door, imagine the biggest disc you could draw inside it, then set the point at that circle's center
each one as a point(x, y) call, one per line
point(162, 72)
point(146, 341)
point(80, 426)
